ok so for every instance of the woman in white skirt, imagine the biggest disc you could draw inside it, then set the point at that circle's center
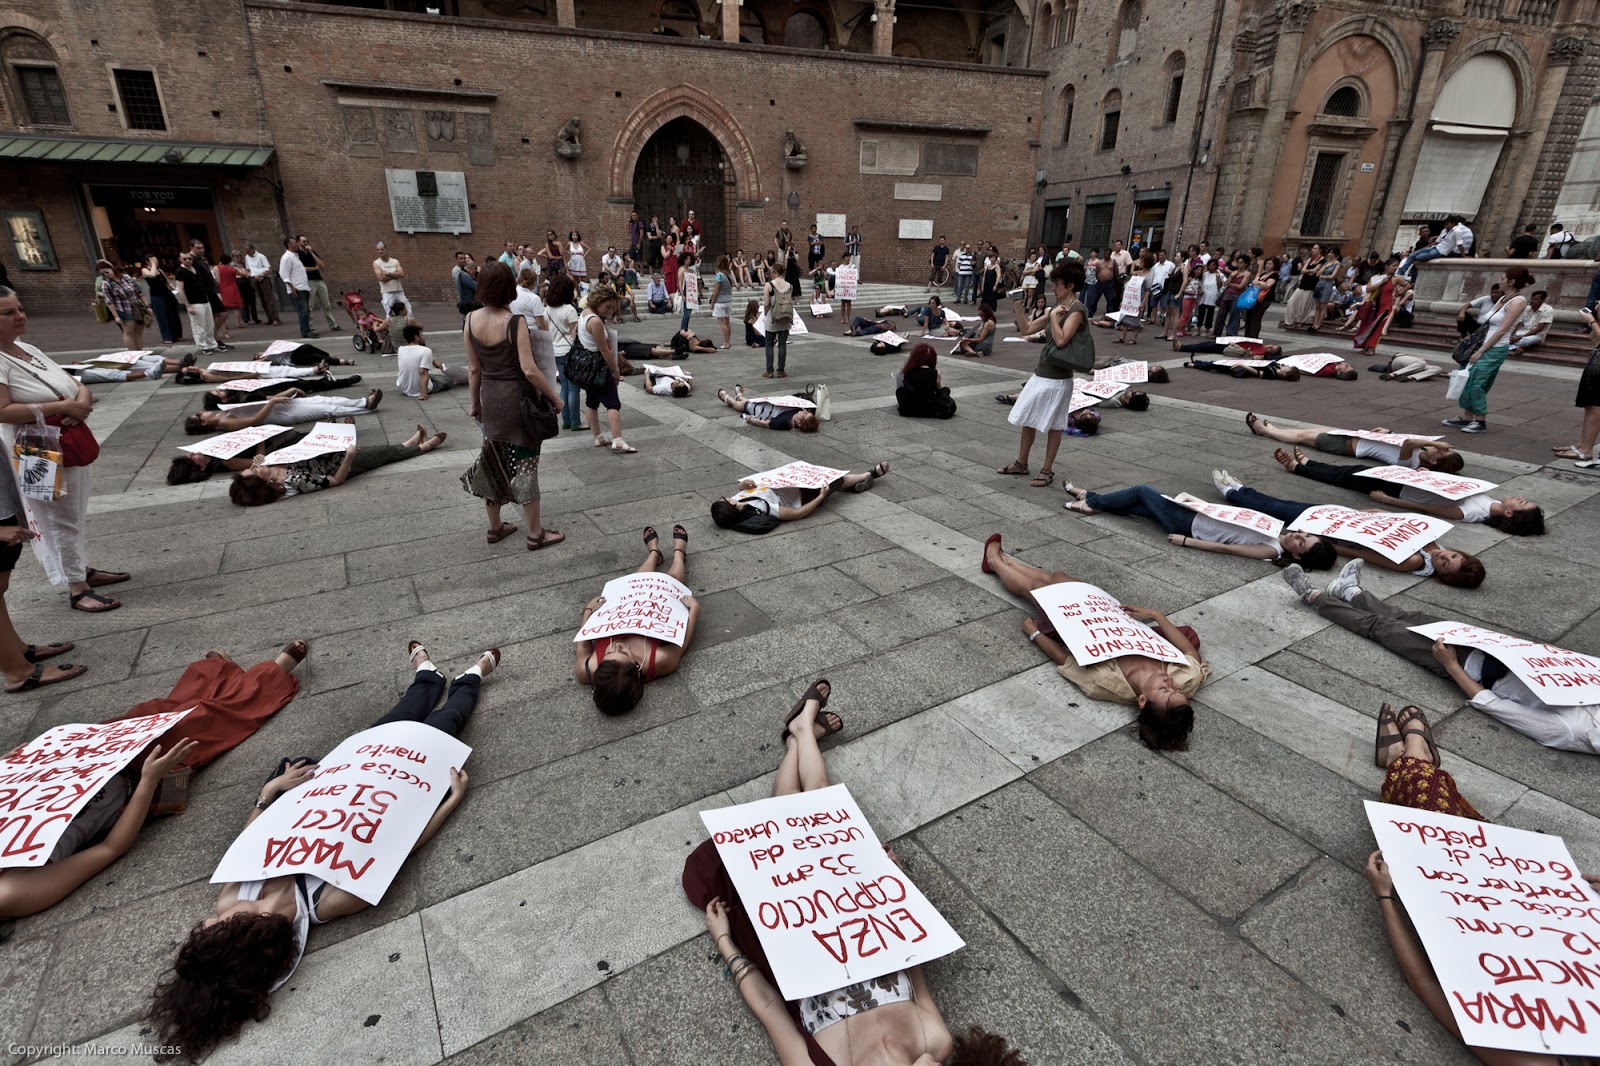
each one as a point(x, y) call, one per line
point(1045, 398)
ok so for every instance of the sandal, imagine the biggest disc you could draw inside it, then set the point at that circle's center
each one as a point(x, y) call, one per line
point(37, 678)
point(1043, 479)
point(1013, 468)
point(96, 578)
point(1388, 737)
point(814, 692)
point(1571, 451)
point(651, 537)
point(297, 650)
point(1009, 399)
point(39, 652)
point(504, 530)
point(1250, 419)
point(546, 538)
point(880, 470)
point(1412, 715)
point(680, 534)
point(994, 538)
point(1285, 460)
point(94, 597)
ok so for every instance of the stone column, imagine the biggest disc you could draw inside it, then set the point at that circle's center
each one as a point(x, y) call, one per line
point(567, 13)
point(1293, 16)
point(883, 28)
point(1494, 228)
point(1435, 40)
point(730, 20)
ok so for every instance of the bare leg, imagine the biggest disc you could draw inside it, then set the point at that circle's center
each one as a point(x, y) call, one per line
point(286, 662)
point(787, 782)
point(614, 420)
point(1591, 430)
point(1019, 577)
point(650, 557)
point(1052, 444)
point(680, 554)
point(493, 512)
point(803, 741)
point(1025, 448)
point(1287, 436)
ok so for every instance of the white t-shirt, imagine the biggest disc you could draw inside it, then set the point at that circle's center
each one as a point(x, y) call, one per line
point(1473, 508)
point(32, 382)
point(612, 263)
point(1208, 288)
point(1388, 453)
point(1207, 528)
point(410, 361)
point(662, 386)
point(529, 306)
point(1158, 273)
point(563, 327)
point(769, 500)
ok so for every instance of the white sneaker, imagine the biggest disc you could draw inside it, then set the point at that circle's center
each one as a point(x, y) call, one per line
point(1348, 582)
point(1225, 481)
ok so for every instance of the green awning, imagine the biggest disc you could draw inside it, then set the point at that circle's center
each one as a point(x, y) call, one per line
point(111, 150)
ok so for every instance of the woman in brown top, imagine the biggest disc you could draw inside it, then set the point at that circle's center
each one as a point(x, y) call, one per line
point(501, 374)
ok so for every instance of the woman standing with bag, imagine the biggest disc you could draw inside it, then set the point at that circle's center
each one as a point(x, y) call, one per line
point(516, 405)
point(599, 383)
point(1484, 364)
point(778, 310)
point(561, 309)
point(121, 294)
point(1046, 398)
point(165, 306)
point(1266, 285)
point(34, 389)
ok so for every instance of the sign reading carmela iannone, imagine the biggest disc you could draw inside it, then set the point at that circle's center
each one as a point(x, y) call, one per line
point(429, 201)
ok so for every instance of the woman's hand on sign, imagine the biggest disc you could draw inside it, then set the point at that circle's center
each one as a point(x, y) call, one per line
point(595, 604)
point(458, 784)
point(157, 765)
point(293, 777)
point(1377, 872)
point(1143, 614)
point(717, 919)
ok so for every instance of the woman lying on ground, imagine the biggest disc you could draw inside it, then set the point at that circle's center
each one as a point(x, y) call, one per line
point(666, 384)
point(894, 1016)
point(232, 962)
point(1270, 373)
point(215, 398)
point(263, 484)
point(1410, 368)
point(759, 510)
point(285, 409)
point(1160, 690)
point(769, 415)
point(1190, 529)
point(193, 375)
point(146, 367)
point(1515, 515)
point(1416, 452)
point(617, 668)
point(226, 704)
point(190, 467)
point(1238, 349)
point(868, 327)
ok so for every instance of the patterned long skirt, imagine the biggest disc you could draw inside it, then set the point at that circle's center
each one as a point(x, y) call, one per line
point(504, 473)
point(1418, 783)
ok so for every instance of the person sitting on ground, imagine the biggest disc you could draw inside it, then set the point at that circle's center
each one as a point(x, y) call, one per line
point(1446, 565)
point(1516, 515)
point(251, 945)
point(1416, 452)
point(617, 668)
point(934, 319)
point(752, 336)
point(263, 484)
point(393, 328)
point(920, 391)
point(666, 384)
point(1269, 373)
point(1487, 683)
point(979, 341)
point(769, 415)
point(285, 409)
point(753, 509)
point(895, 1015)
point(1190, 529)
point(418, 370)
point(1160, 690)
point(868, 327)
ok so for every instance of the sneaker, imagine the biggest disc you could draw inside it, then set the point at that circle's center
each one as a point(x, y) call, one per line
point(1225, 481)
point(1475, 427)
point(1303, 587)
point(1458, 423)
point(1348, 582)
point(336, 328)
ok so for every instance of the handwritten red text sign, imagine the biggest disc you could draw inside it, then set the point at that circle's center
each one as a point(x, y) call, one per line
point(891, 338)
point(1397, 439)
point(241, 368)
point(1243, 517)
point(845, 280)
point(830, 906)
point(797, 476)
point(1450, 486)
point(1557, 676)
point(1511, 929)
point(820, 310)
point(47, 781)
point(1135, 373)
point(227, 445)
point(796, 402)
point(252, 384)
point(279, 348)
point(117, 359)
point(1393, 536)
point(324, 437)
point(1094, 627)
point(690, 284)
point(650, 605)
point(356, 820)
point(1310, 362)
point(669, 372)
point(1101, 390)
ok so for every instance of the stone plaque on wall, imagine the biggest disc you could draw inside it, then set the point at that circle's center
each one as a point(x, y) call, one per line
point(360, 131)
point(890, 155)
point(910, 190)
point(944, 157)
point(916, 229)
point(428, 201)
point(830, 225)
point(480, 138)
point(399, 130)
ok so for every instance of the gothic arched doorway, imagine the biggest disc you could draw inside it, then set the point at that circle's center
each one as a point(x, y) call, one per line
point(683, 168)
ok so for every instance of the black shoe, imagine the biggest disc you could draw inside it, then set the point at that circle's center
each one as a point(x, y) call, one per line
point(224, 347)
point(188, 361)
point(313, 333)
point(336, 328)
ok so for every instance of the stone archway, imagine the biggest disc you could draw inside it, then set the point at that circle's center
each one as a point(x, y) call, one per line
point(684, 101)
point(683, 168)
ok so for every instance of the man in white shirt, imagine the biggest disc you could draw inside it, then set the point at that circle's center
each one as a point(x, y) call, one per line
point(1555, 245)
point(1455, 240)
point(964, 293)
point(1476, 313)
point(611, 261)
point(259, 267)
point(1119, 256)
point(389, 273)
point(1156, 281)
point(413, 362)
point(293, 273)
point(1534, 324)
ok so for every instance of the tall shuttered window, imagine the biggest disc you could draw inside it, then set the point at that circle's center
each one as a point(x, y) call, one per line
point(42, 96)
point(1319, 198)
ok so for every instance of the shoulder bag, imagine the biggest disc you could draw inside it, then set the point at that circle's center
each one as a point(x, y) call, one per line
point(538, 413)
point(1248, 298)
point(1078, 352)
point(1469, 344)
point(586, 367)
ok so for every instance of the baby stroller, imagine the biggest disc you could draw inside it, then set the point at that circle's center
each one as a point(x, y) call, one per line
point(362, 335)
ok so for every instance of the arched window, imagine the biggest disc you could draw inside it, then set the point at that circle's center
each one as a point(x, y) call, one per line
point(805, 29)
point(679, 18)
point(1175, 67)
point(1052, 26)
point(908, 49)
point(1127, 29)
point(1110, 120)
point(1069, 97)
point(1344, 102)
point(34, 80)
point(752, 30)
point(1068, 21)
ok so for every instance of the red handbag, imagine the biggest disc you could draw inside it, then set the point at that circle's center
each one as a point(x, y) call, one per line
point(78, 444)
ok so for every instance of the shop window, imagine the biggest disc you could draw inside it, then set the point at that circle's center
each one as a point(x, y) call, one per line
point(1111, 119)
point(141, 100)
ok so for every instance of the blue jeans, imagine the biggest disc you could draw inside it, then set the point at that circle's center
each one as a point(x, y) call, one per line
point(1408, 266)
point(1092, 293)
point(683, 323)
point(417, 703)
point(1285, 511)
point(1228, 313)
point(1145, 501)
point(571, 395)
point(963, 288)
point(302, 308)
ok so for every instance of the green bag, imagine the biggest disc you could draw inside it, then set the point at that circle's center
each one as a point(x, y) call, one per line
point(1078, 353)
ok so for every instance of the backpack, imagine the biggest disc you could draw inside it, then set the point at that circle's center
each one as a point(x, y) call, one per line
point(781, 314)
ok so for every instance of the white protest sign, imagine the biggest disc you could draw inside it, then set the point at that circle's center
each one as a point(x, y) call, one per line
point(1507, 922)
point(1393, 536)
point(119, 359)
point(829, 905)
point(1103, 390)
point(1012, 340)
point(1093, 626)
point(1135, 373)
point(252, 384)
point(649, 604)
point(1227, 513)
point(1450, 486)
point(237, 406)
point(889, 337)
point(820, 310)
point(1256, 364)
point(797, 325)
point(845, 280)
point(1559, 677)
point(355, 821)
point(1081, 399)
point(1132, 298)
point(690, 282)
point(667, 372)
point(1237, 340)
point(1397, 439)
point(227, 445)
point(324, 437)
point(782, 401)
point(1310, 363)
point(240, 368)
point(797, 476)
point(280, 347)
point(47, 781)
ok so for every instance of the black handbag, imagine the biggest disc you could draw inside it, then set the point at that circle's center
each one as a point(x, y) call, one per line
point(538, 413)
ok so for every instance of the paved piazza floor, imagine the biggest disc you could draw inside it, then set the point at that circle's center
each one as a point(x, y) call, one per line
point(1119, 906)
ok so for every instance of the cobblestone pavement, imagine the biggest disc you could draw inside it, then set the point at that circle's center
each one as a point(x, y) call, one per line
point(1119, 906)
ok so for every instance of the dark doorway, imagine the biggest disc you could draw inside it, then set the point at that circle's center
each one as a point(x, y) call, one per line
point(681, 169)
point(133, 221)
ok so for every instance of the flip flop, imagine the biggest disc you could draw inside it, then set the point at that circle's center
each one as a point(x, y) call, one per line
point(495, 536)
point(39, 652)
point(94, 597)
point(1388, 737)
point(546, 538)
point(36, 678)
point(994, 538)
point(296, 650)
point(880, 470)
point(1413, 715)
